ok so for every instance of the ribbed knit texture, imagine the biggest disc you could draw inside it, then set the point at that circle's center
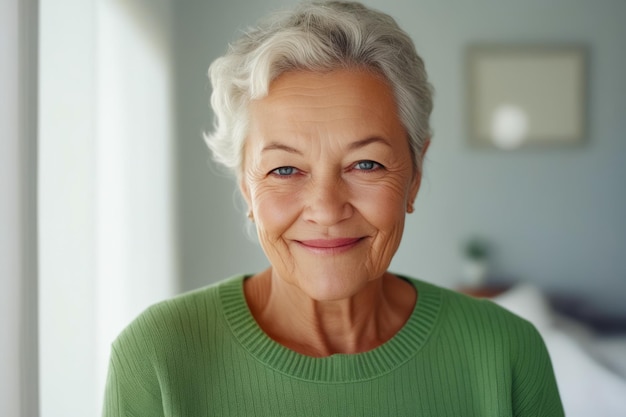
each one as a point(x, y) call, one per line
point(203, 354)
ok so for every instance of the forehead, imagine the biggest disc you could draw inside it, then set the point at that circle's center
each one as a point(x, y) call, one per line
point(315, 86)
point(341, 100)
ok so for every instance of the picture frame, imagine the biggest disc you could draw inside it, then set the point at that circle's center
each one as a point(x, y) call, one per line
point(521, 96)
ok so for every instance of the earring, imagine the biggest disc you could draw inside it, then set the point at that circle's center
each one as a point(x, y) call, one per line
point(409, 208)
point(251, 216)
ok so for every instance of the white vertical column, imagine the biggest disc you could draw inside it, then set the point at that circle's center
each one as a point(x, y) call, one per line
point(66, 207)
point(106, 167)
point(135, 240)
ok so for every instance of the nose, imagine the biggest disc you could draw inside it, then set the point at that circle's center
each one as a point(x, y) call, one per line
point(327, 201)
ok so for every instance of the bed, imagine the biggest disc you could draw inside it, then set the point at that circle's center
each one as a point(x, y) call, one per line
point(590, 365)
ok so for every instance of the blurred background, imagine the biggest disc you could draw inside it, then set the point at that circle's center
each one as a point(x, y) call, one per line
point(110, 200)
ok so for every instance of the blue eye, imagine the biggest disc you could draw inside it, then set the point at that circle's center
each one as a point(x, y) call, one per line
point(367, 165)
point(284, 171)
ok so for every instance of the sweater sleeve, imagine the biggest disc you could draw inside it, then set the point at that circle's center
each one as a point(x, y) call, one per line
point(535, 392)
point(132, 388)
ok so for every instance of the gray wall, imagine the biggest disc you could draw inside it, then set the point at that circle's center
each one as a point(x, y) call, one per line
point(556, 217)
point(18, 208)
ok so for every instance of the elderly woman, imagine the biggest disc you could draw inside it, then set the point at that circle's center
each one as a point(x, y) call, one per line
point(322, 114)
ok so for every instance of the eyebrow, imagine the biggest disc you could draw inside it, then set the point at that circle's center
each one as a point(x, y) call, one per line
point(367, 141)
point(275, 146)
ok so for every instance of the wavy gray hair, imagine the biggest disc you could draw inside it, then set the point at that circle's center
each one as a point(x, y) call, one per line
point(316, 37)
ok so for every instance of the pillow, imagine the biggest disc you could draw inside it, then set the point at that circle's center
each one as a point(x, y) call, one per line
point(528, 302)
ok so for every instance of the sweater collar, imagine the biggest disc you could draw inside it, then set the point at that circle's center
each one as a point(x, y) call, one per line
point(339, 367)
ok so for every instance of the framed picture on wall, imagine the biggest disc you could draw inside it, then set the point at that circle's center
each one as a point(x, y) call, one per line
point(526, 95)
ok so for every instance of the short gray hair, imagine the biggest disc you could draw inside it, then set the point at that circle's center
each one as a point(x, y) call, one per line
point(316, 37)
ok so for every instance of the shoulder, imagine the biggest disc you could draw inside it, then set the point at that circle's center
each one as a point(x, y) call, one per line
point(163, 347)
point(479, 326)
point(176, 318)
point(484, 316)
point(476, 319)
point(491, 345)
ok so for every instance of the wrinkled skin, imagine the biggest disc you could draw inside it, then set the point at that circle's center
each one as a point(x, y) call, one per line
point(328, 176)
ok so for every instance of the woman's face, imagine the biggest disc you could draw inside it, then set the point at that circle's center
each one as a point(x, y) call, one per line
point(328, 176)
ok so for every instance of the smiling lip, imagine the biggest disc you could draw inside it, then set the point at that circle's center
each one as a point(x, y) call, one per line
point(329, 246)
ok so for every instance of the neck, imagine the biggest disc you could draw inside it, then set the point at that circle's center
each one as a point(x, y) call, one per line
point(316, 328)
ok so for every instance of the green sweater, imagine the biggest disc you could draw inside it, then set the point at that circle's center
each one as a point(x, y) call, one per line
point(202, 354)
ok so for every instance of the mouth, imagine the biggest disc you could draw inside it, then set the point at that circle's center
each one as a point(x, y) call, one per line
point(330, 246)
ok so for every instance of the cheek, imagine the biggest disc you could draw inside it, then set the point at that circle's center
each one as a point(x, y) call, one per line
point(383, 205)
point(274, 211)
point(387, 216)
point(385, 210)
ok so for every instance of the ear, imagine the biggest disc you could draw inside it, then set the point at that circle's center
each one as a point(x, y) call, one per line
point(417, 178)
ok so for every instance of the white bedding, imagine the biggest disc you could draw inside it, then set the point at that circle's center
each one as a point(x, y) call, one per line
point(590, 370)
